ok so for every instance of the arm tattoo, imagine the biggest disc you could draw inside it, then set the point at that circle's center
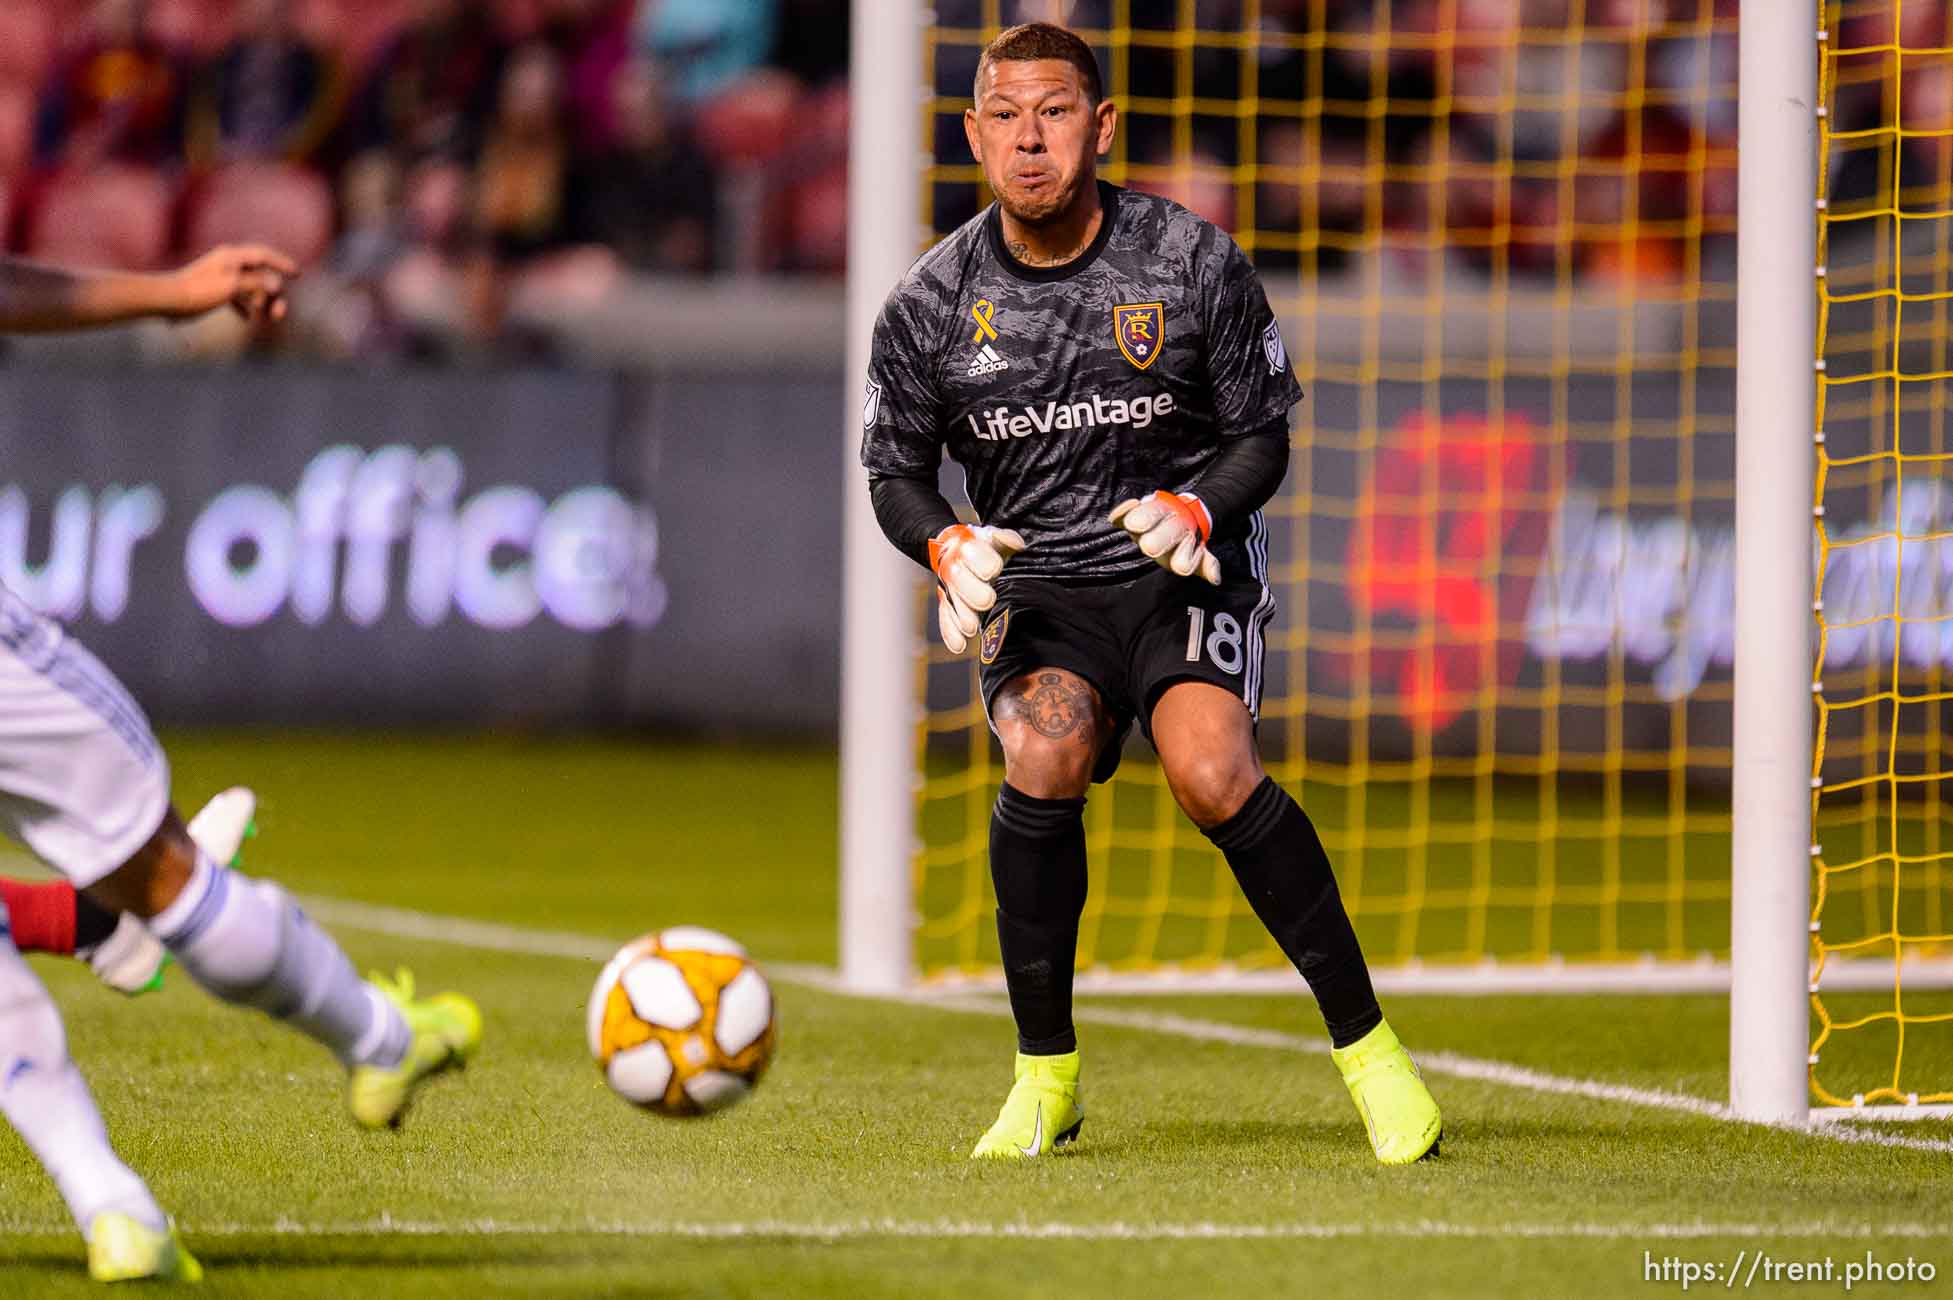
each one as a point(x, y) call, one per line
point(1054, 707)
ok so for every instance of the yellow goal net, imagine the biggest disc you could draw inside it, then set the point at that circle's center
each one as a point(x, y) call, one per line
point(1884, 503)
point(1500, 240)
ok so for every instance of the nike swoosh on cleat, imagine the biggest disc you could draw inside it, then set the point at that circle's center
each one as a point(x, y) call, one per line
point(1037, 1134)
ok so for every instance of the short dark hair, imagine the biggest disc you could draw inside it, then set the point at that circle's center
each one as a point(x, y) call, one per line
point(1028, 41)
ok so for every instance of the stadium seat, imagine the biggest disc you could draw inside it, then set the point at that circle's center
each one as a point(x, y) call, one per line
point(16, 129)
point(809, 214)
point(519, 20)
point(199, 26)
point(751, 123)
point(117, 215)
point(273, 203)
point(26, 42)
point(1200, 184)
point(355, 29)
point(818, 238)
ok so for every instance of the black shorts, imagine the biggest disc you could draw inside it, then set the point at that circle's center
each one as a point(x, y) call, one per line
point(1131, 640)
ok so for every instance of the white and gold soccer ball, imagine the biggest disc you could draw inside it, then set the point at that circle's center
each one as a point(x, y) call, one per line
point(681, 1022)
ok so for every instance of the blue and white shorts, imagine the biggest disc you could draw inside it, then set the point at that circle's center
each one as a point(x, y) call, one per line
point(83, 782)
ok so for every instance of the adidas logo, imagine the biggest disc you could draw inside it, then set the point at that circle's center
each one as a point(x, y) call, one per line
point(987, 362)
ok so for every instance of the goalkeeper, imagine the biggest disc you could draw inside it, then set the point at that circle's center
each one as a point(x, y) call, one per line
point(1104, 366)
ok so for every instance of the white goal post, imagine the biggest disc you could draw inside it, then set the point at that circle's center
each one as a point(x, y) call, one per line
point(1776, 393)
point(886, 166)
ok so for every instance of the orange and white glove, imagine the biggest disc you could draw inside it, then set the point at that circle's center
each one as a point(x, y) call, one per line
point(1173, 530)
point(966, 558)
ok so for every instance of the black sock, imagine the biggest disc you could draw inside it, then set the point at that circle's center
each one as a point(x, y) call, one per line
point(1280, 863)
point(93, 923)
point(1037, 861)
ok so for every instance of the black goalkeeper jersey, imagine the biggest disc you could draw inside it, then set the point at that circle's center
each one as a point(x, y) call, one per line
point(1062, 391)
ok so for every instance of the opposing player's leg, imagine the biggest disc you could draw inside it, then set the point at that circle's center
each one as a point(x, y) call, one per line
point(1053, 725)
point(84, 784)
point(247, 941)
point(1205, 737)
point(79, 786)
point(50, 916)
point(48, 1103)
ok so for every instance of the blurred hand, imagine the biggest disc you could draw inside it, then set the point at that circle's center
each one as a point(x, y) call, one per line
point(251, 278)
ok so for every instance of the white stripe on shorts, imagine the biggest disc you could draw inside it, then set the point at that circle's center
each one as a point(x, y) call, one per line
point(1264, 610)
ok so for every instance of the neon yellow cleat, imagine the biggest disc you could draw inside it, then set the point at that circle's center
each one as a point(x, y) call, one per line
point(1397, 1108)
point(446, 1031)
point(122, 1249)
point(1042, 1113)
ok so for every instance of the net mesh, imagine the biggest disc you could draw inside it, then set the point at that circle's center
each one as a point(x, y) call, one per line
point(1885, 529)
point(1500, 237)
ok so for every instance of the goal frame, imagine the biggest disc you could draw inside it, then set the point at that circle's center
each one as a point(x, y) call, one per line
point(1768, 973)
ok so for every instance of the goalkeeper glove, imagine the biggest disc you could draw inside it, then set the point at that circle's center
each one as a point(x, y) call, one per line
point(965, 557)
point(1173, 530)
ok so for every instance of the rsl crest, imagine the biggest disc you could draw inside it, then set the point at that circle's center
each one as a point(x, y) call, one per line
point(993, 636)
point(1140, 329)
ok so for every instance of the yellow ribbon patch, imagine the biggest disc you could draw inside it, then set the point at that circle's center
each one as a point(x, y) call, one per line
point(981, 314)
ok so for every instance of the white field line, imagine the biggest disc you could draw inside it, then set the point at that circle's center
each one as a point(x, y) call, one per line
point(1840, 975)
point(1457, 1066)
point(405, 924)
point(1113, 1230)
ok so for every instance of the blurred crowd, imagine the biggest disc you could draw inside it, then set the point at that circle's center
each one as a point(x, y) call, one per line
point(438, 159)
point(1541, 139)
point(444, 161)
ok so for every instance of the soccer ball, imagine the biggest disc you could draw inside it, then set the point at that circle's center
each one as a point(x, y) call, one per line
point(681, 1022)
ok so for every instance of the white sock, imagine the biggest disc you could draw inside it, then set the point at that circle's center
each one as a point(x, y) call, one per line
point(247, 942)
point(47, 1101)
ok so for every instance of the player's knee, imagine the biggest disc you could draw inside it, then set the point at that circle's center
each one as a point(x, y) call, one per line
point(1052, 725)
point(1046, 769)
point(1210, 788)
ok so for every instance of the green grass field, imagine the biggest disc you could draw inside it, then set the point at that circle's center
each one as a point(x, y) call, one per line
point(1221, 1154)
